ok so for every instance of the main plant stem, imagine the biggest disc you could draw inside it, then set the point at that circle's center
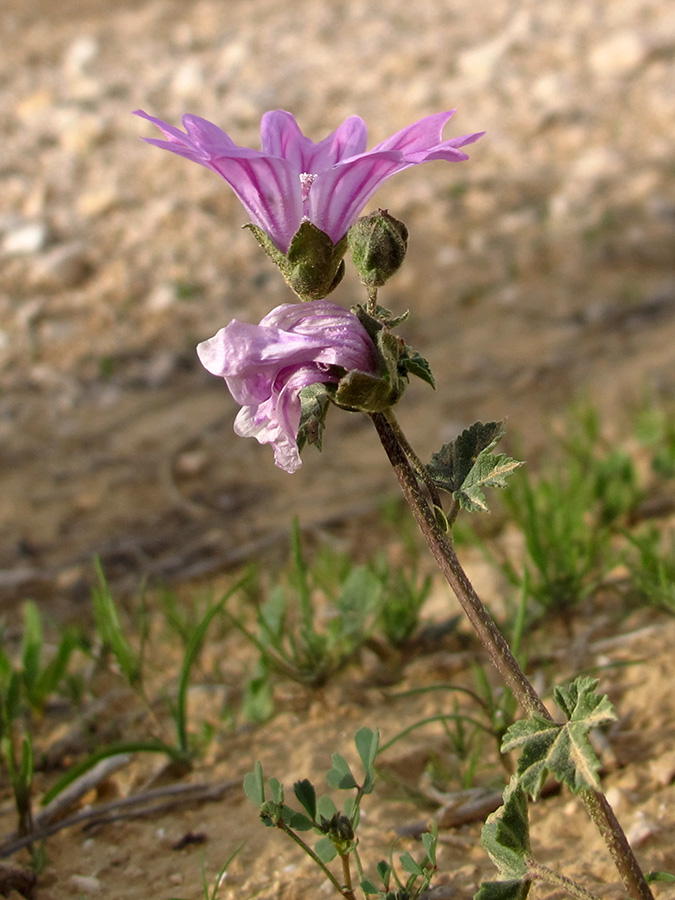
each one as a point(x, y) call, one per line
point(499, 651)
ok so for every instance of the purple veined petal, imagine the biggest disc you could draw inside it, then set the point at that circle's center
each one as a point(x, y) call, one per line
point(269, 190)
point(422, 135)
point(344, 341)
point(212, 139)
point(249, 357)
point(261, 423)
point(337, 197)
point(174, 135)
point(448, 150)
point(349, 139)
point(281, 136)
point(288, 412)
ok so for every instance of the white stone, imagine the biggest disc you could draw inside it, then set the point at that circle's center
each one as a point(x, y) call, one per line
point(189, 79)
point(25, 239)
point(86, 883)
point(80, 53)
point(619, 55)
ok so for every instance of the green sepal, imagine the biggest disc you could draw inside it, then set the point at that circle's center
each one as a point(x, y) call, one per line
point(314, 403)
point(400, 361)
point(561, 749)
point(313, 266)
point(465, 466)
point(360, 391)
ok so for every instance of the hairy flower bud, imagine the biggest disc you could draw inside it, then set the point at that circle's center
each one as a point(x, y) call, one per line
point(378, 244)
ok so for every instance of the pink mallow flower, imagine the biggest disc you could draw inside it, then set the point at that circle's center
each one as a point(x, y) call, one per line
point(266, 366)
point(293, 179)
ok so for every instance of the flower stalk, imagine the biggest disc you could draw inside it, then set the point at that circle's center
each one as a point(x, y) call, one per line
point(499, 651)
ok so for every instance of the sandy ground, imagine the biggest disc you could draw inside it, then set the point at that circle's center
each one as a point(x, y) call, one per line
point(540, 271)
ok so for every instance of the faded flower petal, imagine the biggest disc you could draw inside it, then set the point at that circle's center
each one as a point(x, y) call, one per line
point(266, 366)
point(293, 179)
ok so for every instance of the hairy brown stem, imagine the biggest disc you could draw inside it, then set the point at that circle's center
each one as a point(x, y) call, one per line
point(500, 653)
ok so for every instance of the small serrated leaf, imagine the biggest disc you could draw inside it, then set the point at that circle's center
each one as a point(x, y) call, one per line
point(506, 834)
point(561, 749)
point(453, 462)
point(506, 839)
point(489, 470)
point(413, 363)
point(369, 888)
point(466, 466)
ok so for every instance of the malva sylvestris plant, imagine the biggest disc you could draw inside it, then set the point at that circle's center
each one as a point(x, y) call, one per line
point(304, 200)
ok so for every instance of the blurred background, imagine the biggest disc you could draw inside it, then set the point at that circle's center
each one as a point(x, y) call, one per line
point(540, 271)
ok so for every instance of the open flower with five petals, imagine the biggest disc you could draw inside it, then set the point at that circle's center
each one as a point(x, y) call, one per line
point(292, 179)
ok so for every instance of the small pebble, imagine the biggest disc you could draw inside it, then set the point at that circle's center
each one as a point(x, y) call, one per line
point(26, 239)
point(642, 828)
point(88, 884)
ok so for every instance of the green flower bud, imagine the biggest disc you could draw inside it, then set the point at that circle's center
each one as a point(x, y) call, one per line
point(378, 245)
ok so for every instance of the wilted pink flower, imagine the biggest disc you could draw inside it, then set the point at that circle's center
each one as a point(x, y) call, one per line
point(267, 365)
point(292, 179)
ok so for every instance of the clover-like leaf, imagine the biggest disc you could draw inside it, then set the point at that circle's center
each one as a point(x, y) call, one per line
point(561, 749)
point(305, 792)
point(466, 466)
point(506, 838)
point(254, 785)
point(340, 775)
point(325, 850)
point(410, 865)
point(367, 743)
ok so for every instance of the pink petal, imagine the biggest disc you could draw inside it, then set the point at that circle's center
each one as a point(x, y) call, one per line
point(282, 137)
point(337, 197)
point(419, 136)
point(269, 191)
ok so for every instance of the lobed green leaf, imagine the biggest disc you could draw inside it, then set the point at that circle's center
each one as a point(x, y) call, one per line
point(564, 749)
